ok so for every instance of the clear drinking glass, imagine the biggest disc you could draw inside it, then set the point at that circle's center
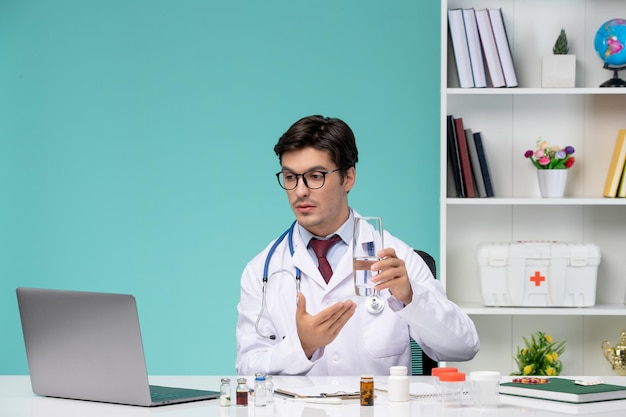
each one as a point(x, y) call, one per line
point(367, 242)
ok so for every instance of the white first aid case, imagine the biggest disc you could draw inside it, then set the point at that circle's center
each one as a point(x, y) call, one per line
point(538, 274)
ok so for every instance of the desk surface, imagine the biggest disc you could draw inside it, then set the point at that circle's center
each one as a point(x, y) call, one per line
point(17, 400)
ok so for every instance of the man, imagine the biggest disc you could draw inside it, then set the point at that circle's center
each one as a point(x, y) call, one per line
point(307, 326)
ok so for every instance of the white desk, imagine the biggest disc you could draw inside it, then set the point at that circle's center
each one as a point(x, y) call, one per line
point(17, 400)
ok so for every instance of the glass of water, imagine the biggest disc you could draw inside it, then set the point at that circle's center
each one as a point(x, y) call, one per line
point(367, 242)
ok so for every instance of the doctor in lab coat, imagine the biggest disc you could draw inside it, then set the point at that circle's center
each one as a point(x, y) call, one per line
point(325, 329)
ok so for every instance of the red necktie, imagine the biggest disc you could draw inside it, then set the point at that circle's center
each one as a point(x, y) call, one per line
point(320, 247)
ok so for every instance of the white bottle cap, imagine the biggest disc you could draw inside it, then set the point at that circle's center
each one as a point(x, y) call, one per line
point(397, 370)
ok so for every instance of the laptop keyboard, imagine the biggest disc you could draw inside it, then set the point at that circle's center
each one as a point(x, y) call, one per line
point(159, 393)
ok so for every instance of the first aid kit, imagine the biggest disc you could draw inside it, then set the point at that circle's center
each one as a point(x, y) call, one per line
point(538, 273)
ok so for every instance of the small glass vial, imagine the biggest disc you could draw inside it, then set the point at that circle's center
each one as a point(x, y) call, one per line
point(452, 384)
point(398, 384)
point(269, 389)
point(225, 392)
point(367, 390)
point(242, 392)
point(260, 391)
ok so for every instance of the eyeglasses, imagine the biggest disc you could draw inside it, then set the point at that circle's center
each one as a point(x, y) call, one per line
point(312, 179)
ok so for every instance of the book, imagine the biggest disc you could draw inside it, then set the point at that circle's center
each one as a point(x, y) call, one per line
point(566, 390)
point(616, 166)
point(562, 407)
point(488, 42)
point(466, 167)
point(504, 49)
point(484, 166)
point(453, 157)
point(475, 50)
point(476, 172)
point(460, 48)
point(621, 190)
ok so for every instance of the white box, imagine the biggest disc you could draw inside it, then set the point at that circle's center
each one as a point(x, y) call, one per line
point(538, 274)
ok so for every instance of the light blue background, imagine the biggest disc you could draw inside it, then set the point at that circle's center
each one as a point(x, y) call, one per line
point(136, 143)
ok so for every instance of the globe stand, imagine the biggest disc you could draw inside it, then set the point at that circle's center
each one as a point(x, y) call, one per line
point(615, 81)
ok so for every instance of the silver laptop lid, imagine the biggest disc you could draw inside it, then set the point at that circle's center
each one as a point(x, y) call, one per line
point(84, 345)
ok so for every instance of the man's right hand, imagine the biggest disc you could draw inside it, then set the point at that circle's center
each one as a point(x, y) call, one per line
point(319, 330)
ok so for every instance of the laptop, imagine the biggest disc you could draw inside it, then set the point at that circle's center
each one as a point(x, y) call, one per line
point(87, 346)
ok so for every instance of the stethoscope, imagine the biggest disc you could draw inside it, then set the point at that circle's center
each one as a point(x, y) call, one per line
point(374, 303)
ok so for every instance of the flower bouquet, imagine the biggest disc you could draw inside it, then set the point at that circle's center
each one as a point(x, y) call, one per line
point(551, 157)
point(540, 356)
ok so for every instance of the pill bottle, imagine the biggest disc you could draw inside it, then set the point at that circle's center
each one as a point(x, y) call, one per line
point(452, 386)
point(225, 392)
point(242, 392)
point(367, 390)
point(398, 384)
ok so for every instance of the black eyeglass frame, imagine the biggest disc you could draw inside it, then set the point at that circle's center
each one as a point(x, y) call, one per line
point(324, 173)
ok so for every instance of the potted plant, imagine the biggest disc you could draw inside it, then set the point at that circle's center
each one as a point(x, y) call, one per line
point(540, 356)
point(552, 163)
point(559, 69)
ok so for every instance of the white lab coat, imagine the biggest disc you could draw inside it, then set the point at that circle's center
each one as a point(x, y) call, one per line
point(369, 343)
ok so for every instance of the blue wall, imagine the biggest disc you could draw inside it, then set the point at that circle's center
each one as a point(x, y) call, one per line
point(136, 143)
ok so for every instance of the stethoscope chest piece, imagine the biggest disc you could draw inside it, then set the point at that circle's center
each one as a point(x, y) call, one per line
point(374, 304)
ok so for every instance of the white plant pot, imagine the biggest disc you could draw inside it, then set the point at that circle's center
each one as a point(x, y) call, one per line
point(552, 182)
point(558, 71)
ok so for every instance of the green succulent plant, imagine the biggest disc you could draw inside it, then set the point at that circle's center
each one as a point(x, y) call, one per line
point(561, 47)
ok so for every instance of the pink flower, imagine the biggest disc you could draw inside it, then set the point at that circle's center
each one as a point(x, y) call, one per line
point(544, 160)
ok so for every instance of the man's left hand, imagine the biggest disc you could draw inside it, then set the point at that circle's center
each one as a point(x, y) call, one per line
point(392, 275)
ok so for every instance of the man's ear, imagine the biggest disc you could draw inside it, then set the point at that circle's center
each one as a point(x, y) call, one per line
point(349, 179)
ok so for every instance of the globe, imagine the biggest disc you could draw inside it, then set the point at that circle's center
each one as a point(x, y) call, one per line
point(610, 42)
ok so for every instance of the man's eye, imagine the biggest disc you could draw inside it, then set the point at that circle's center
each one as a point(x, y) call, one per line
point(289, 177)
point(315, 175)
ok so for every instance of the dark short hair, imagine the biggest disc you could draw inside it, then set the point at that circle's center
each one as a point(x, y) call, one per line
point(322, 133)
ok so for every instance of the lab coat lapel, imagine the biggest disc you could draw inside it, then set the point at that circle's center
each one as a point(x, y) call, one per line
point(303, 260)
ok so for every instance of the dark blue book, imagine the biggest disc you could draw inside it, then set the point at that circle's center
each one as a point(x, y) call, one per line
point(454, 158)
point(484, 167)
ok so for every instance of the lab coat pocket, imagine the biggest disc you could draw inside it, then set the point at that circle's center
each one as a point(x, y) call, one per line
point(384, 335)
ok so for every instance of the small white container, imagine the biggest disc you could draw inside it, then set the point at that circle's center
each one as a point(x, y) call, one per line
point(485, 388)
point(398, 384)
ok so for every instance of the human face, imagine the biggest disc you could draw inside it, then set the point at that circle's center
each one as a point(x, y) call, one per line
point(324, 210)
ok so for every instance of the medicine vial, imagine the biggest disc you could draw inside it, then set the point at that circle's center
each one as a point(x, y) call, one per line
point(398, 384)
point(269, 389)
point(367, 390)
point(242, 392)
point(225, 392)
point(260, 391)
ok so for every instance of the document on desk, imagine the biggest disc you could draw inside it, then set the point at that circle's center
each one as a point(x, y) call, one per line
point(320, 391)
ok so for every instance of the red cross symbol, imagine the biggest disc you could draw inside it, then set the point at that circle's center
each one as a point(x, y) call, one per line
point(537, 278)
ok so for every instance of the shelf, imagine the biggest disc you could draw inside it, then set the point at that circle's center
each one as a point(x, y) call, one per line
point(453, 201)
point(535, 91)
point(478, 309)
point(586, 117)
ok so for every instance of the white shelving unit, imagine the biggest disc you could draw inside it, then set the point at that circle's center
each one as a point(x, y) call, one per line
point(510, 119)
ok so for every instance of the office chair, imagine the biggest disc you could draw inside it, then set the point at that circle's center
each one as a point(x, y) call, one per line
point(421, 363)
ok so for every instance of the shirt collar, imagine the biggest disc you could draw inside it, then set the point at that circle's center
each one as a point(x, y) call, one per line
point(345, 232)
